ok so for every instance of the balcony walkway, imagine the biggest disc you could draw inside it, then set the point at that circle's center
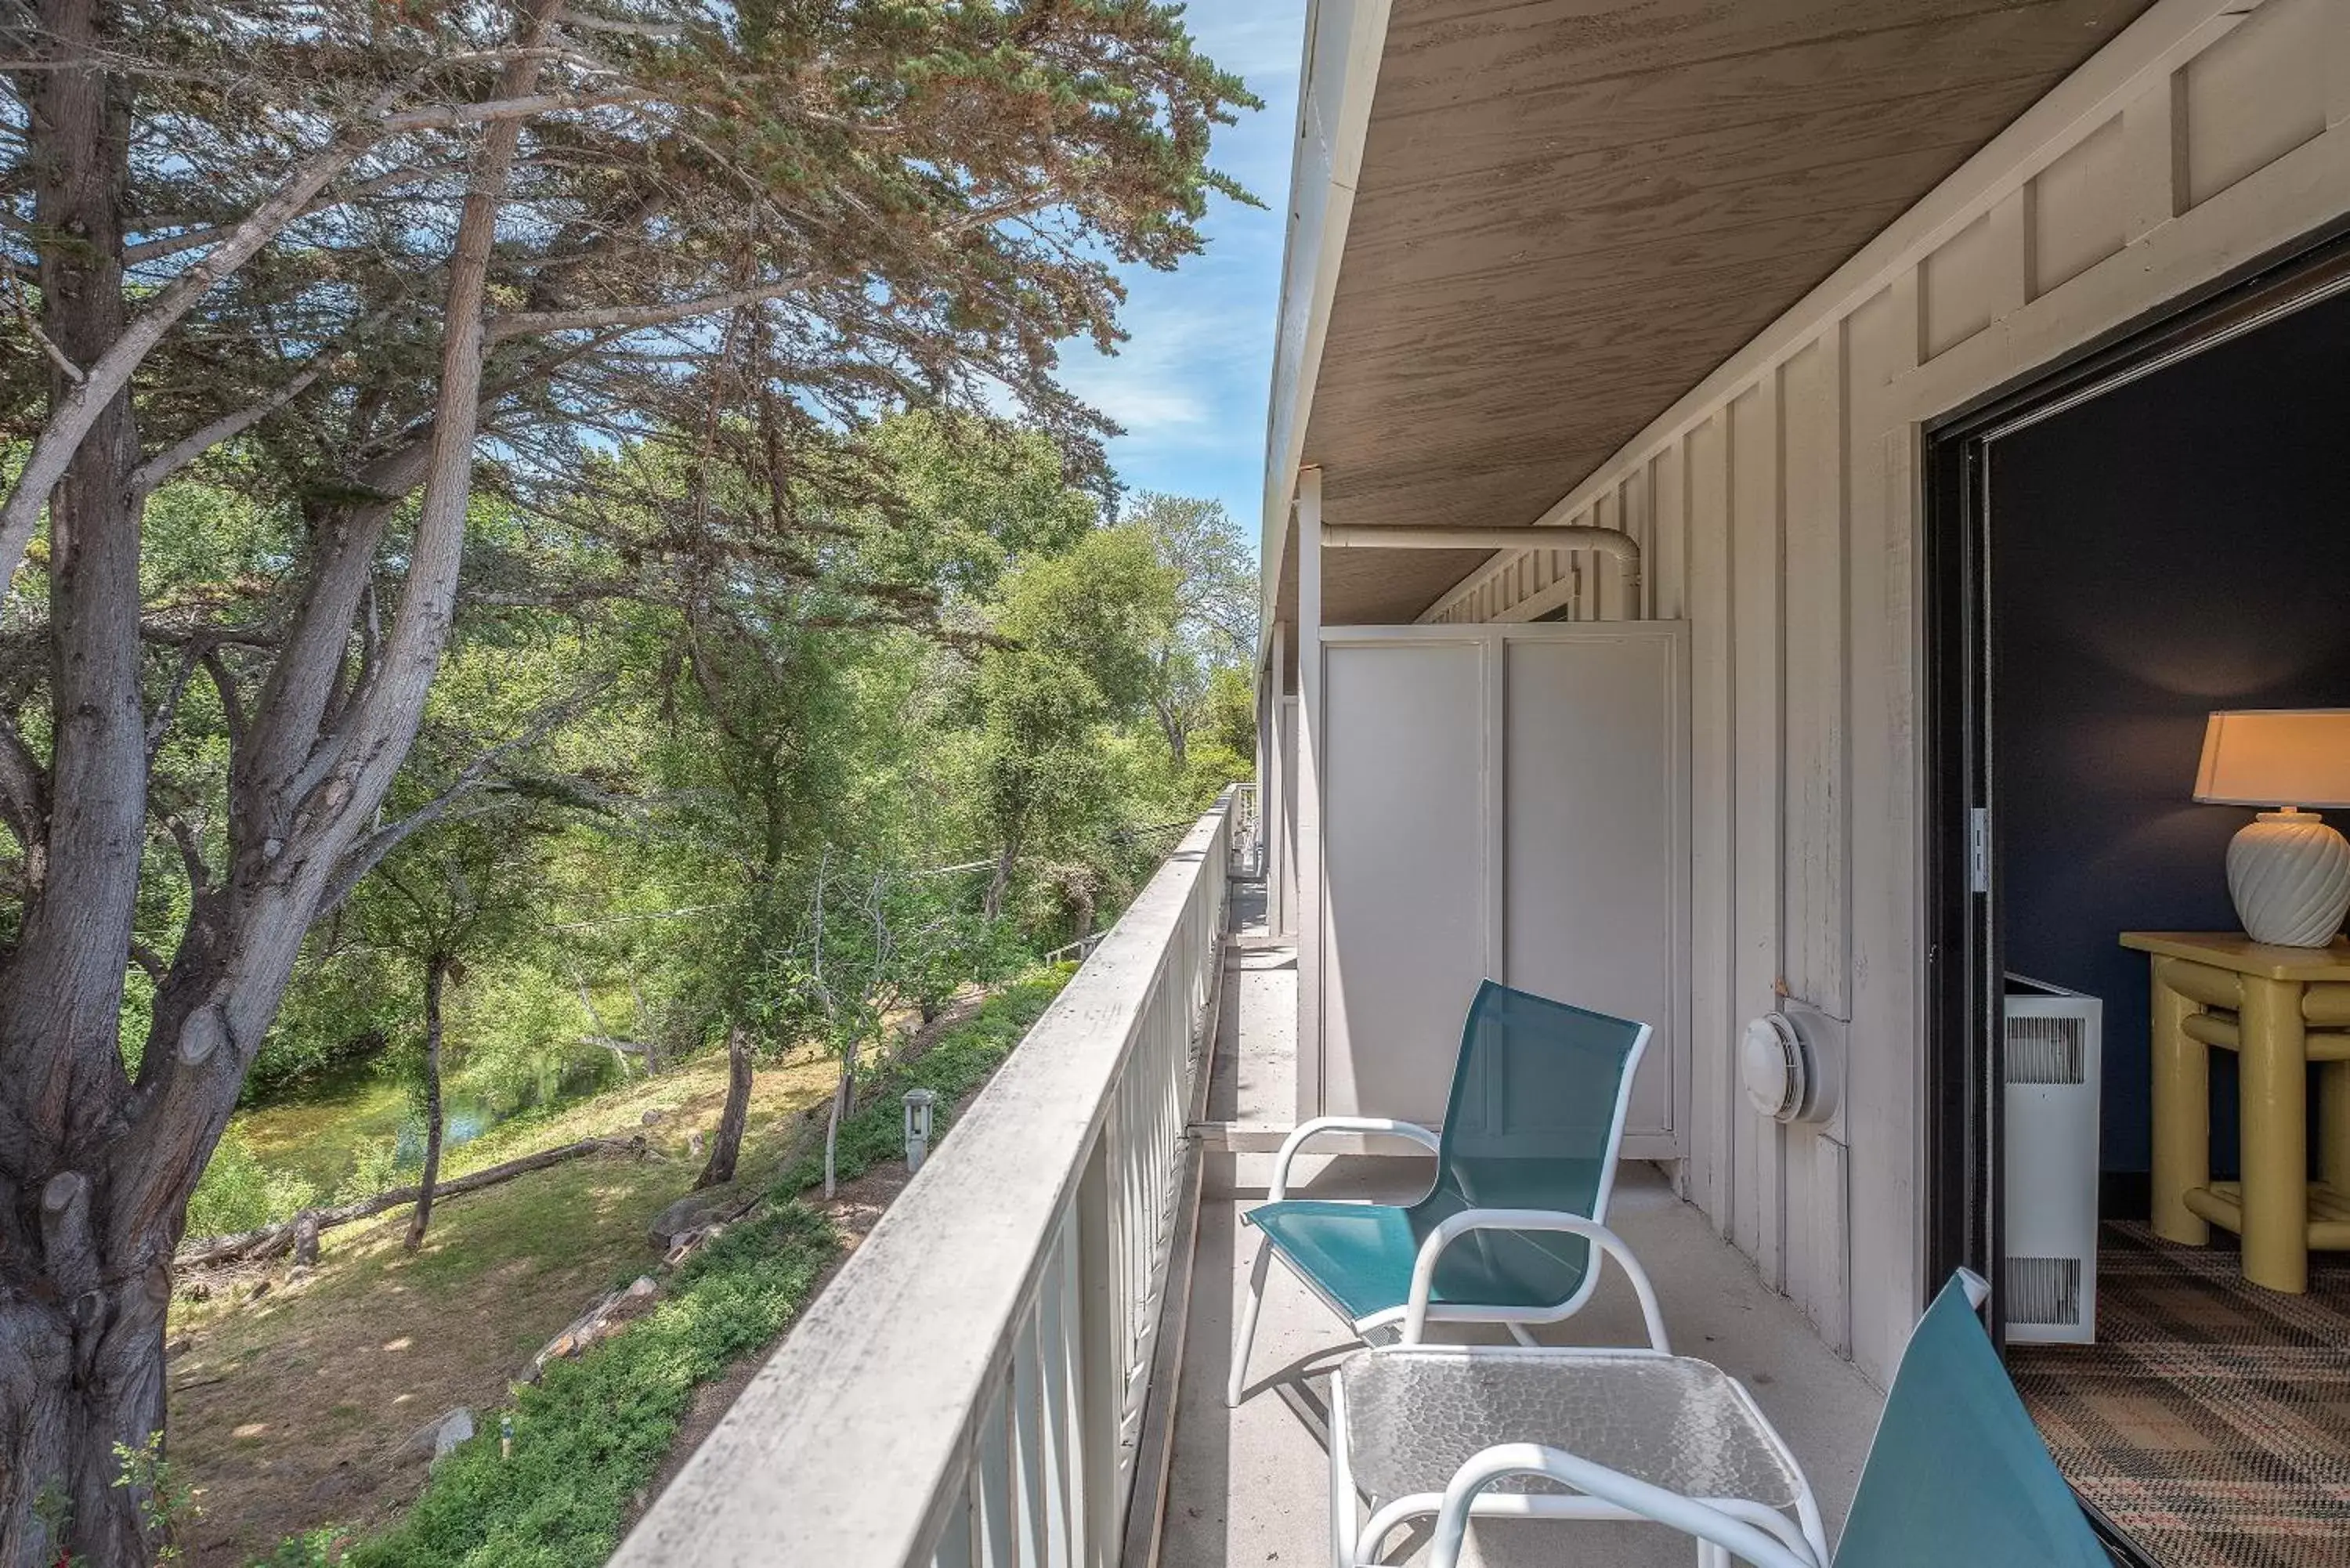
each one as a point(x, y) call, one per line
point(1249, 1487)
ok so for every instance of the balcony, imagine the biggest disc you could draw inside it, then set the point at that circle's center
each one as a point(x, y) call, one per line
point(1004, 1374)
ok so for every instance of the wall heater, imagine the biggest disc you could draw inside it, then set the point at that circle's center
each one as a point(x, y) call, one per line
point(2049, 1280)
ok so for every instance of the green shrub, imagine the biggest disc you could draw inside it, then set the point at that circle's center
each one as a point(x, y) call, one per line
point(374, 1167)
point(595, 1430)
point(238, 1192)
point(320, 1548)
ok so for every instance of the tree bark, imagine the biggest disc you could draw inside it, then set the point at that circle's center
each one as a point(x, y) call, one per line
point(728, 1146)
point(990, 908)
point(1176, 727)
point(436, 969)
point(83, 1283)
point(844, 1100)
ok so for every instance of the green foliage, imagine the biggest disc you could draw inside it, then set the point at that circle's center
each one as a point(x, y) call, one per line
point(348, 1001)
point(955, 1064)
point(320, 1548)
point(1097, 609)
point(1230, 721)
point(970, 497)
point(163, 1499)
point(520, 1024)
point(1077, 661)
point(595, 1429)
point(375, 1169)
point(238, 1192)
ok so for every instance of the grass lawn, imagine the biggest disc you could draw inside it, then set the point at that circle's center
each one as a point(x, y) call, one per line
point(284, 1407)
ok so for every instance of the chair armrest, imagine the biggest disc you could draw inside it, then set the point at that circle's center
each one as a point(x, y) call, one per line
point(1746, 1542)
point(1411, 1132)
point(1423, 1272)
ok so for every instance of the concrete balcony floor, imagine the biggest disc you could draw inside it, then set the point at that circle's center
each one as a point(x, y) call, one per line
point(1250, 1486)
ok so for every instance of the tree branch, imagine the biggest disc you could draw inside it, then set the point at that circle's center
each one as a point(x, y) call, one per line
point(192, 855)
point(31, 322)
point(24, 790)
point(185, 450)
point(369, 853)
point(232, 704)
point(75, 414)
point(453, 116)
point(526, 323)
point(196, 239)
point(372, 741)
point(191, 655)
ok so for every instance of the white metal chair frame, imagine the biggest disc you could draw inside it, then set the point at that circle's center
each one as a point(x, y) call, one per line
point(1418, 1310)
point(1737, 1525)
point(1726, 1529)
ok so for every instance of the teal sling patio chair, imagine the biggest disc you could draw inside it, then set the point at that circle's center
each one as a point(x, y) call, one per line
point(1956, 1476)
point(1523, 1168)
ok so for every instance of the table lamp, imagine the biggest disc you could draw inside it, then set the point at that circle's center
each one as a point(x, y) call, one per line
point(2287, 870)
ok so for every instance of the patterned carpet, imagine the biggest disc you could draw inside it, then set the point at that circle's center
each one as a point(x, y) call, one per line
point(2211, 1422)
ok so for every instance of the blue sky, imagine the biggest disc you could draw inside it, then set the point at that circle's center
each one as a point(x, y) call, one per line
point(1190, 383)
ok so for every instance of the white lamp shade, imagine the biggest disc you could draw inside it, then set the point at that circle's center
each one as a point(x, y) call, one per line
point(2279, 756)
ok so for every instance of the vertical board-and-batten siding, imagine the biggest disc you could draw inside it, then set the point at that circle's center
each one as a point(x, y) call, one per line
point(1778, 505)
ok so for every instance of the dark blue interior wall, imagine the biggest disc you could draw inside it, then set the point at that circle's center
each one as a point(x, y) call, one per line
point(2173, 546)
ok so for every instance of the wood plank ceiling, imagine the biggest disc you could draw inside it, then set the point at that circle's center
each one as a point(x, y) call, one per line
point(1570, 211)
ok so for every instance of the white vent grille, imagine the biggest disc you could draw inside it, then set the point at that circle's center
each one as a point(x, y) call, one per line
point(2045, 1291)
point(2045, 1050)
point(2049, 1285)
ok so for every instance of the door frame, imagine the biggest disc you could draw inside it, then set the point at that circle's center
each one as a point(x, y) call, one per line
point(1963, 1130)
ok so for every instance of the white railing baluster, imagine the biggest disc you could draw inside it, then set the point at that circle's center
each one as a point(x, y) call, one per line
point(1028, 1445)
point(1100, 1330)
point(1053, 1361)
point(970, 1391)
point(999, 1546)
point(954, 1538)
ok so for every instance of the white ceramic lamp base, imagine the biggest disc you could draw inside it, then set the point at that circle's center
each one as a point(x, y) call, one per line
point(2289, 873)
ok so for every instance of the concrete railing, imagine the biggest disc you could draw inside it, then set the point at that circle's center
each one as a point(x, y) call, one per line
point(970, 1390)
point(1245, 834)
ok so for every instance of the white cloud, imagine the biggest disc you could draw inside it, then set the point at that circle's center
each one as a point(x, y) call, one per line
point(1143, 402)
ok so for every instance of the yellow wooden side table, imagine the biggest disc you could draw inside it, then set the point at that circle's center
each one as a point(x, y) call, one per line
point(2279, 1008)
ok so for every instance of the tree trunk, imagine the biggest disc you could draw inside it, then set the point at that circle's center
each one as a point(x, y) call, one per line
point(77, 1384)
point(84, 1275)
point(990, 908)
point(729, 1143)
point(844, 1100)
point(436, 969)
point(1176, 727)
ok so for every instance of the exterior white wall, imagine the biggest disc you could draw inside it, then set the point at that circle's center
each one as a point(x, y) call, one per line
point(1284, 846)
point(1471, 830)
point(1778, 505)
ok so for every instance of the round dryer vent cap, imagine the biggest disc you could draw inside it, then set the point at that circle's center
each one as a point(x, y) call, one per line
point(1770, 1065)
